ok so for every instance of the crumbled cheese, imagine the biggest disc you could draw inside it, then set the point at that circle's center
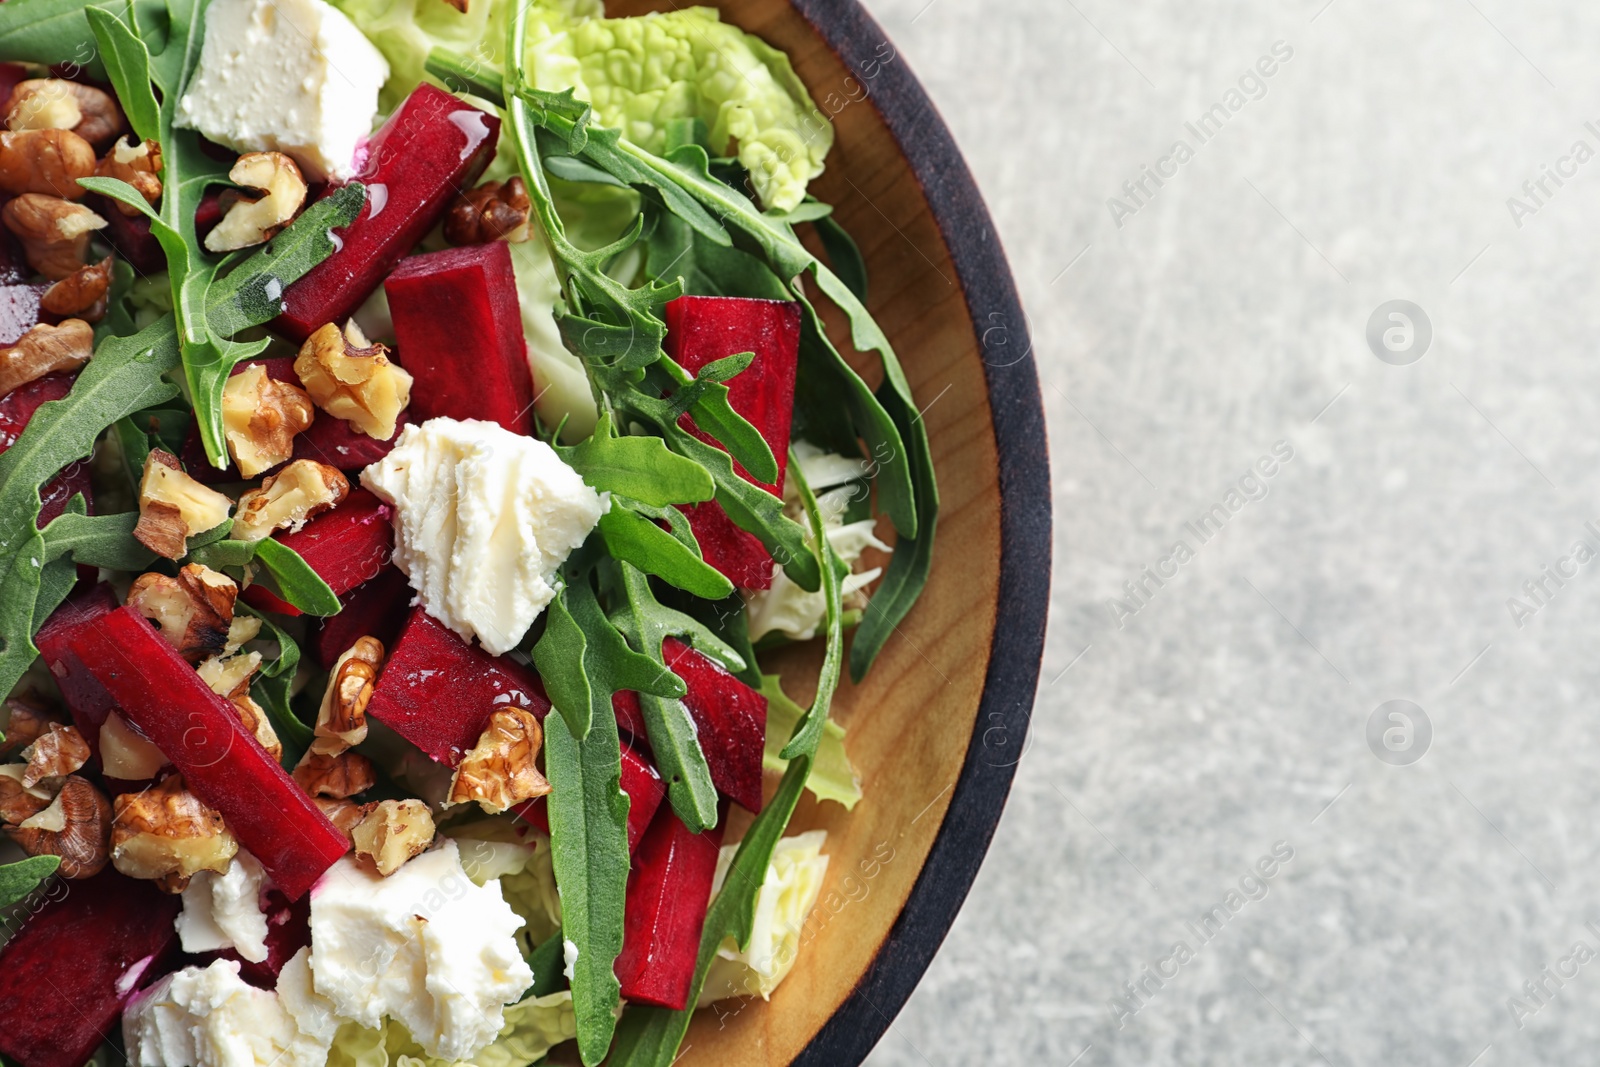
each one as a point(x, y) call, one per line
point(223, 911)
point(292, 76)
point(484, 517)
point(423, 946)
point(210, 1017)
point(569, 953)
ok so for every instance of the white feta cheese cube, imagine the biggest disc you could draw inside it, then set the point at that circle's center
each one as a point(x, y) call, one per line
point(291, 76)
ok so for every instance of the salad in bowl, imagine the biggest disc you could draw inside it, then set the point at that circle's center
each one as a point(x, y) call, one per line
point(417, 423)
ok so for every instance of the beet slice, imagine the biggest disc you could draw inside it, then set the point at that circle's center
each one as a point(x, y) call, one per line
point(377, 608)
point(67, 974)
point(702, 329)
point(85, 699)
point(729, 717)
point(16, 409)
point(199, 731)
point(19, 309)
point(458, 330)
point(668, 891)
point(347, 546)
point(432, 147)
point(438, 692)
point(640, 781)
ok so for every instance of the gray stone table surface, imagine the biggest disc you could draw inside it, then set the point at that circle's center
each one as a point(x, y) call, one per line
point(1408, 528)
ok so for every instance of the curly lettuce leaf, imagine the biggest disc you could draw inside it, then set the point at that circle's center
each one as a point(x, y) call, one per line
point(833, 776)
point(789, 891)
point(532, 1028)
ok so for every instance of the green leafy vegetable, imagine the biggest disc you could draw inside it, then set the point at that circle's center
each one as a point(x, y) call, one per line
point(633, 538)
point(546, 964)
point(589, 847)
point(19, 879)
point(809, 733)
point(833, 777)
point(56, 33)
point(271, 689)
point(297, 582)
point(637, 467)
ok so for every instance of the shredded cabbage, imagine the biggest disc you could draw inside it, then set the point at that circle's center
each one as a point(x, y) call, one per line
point(833, 777)
point(639, 73)
point(794, 878)
point(532, 1028)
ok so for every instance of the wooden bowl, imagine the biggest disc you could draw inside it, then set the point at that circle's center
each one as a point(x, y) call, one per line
point(938, 726)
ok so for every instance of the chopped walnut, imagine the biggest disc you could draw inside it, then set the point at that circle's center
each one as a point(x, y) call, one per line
point(250, 222)
point(255, 720)
point(165, 833)
point(392, 831)
point(25, 721)
point(53, 232)
point(139, 165)
point(494, 211)
point(229, 676)
point(260, 416)
point(335, 777)
point(82, 293)
point(500, 770)
point(58, 752)
point(173, 507)
point(17, 801)
point(76, 826)
point(353, 380)
point(47, 162)
point(242, 629)
point(287, 499)
point(342, 718)
point(45, 350)
point(126, 754)
point(344, 814)
point(194, 611)
point(58, 104)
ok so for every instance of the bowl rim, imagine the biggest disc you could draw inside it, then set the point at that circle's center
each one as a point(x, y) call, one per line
point(1017, 646)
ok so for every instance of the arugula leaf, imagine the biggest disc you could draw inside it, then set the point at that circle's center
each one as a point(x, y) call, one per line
point(833, 777)
point(57, 32)
point(96, 540)
point(297, 582)
point(589, 851)
point(545, 961)
point(637, 467)
point(559, 657)
point(19, 879)
point(634, 539)
point(675, 251)
point(808, 733)
point(843, 254)
point(271, 689)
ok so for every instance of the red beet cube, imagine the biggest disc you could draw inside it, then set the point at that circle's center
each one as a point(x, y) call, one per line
point(438, 692)
point(16, 408)
point(346, 546)
point(10, 75)
point(76, 961)
point(377, 608)
point(458, 330)
point(19, 309)
point(702, 329)
point(669, 889)
point(84, 697)
point(729, 717)
point(432, 147)
point(220, 760)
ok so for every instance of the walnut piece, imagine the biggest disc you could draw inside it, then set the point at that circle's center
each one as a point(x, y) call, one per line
point(260, 416)
point(342, 718)
point(193, 611)
point(53, 232)
point(17, 801)
point(173, 507)
point(344, 814)
point(45, 350)
point(287, 499)
point(24, 722)
point(500, 770)
point(335, 777)
point(230, 676)
point(255, 720)
point(82, 293)
point(494, 211)
point(392, 831)
point(48, 162)
point(251, 222)
point(165, 833)
point(352, 379)
point(58, 104)
point(243, 628)
point(76, 826)
point(139, 165)
point(58, 752)
point(126, 754)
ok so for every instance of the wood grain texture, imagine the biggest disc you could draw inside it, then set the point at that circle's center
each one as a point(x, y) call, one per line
point(911, 720)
